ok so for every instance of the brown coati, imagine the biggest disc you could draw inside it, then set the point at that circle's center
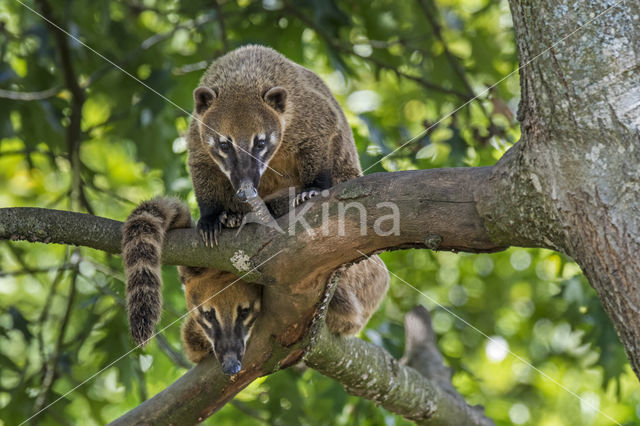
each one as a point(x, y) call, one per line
point(261, 124)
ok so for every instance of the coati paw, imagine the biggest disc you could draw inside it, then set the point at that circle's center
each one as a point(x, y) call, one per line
point(230, 220)
point(209, 228)
point(304, 196)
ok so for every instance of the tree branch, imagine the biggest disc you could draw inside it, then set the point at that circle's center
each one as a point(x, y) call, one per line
point(434, 208)
point(370, 372)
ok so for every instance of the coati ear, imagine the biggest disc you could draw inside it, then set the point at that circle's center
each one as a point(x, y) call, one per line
point(276, 97)
point(203, 98)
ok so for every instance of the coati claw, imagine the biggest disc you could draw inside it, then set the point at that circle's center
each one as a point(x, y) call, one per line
point(230, 220)
point(209, 227)
point(304, 196)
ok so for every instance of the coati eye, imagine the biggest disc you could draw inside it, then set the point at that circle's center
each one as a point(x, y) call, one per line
point(243, 313)
point(260, 141)
point(210, 315)
point(224, 145)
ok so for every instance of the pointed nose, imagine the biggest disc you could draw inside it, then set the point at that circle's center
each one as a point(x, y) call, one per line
point(231, 365)
point(246, 191)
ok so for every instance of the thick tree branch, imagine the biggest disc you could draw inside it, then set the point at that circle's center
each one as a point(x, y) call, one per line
point(436, 209)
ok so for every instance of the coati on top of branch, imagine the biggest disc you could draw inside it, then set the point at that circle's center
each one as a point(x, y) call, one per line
point(261, 124)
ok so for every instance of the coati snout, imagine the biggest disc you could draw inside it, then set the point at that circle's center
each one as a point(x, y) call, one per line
point(224, 312)
point(241, 135)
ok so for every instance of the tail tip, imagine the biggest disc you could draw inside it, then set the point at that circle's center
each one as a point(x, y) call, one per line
point(141, 335)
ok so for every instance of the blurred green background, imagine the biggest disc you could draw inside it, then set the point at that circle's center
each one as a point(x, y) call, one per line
point(397, 67)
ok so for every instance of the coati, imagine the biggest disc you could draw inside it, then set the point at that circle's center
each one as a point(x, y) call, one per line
point(261, 124)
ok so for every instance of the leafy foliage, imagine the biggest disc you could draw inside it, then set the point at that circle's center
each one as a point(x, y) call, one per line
point(397, 68)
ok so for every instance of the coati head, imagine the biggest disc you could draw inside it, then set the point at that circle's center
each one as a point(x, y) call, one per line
point(225, 311)
point(241, 134)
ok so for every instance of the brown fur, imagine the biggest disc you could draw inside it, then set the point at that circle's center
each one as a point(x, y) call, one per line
point(206, 289)
point(315, 150)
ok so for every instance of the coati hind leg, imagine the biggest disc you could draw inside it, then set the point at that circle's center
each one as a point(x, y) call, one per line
point(360, 290)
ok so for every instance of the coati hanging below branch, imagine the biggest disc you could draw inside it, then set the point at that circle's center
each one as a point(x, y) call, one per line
point(262, 124)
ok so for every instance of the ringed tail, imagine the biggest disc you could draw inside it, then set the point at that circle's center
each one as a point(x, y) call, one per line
point(142, 239)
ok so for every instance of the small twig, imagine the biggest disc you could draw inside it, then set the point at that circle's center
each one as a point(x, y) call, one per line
point(173, 355)
point(29, 96)
point(33, 271)
point(223, 30)
point(50, 370)
point(453, 60)
point(245, 409)
point(347, 49)
point(48, 302)
point(148, 44)
point(74, 130)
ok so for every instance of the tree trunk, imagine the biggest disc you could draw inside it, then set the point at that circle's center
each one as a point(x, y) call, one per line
point(575, 175)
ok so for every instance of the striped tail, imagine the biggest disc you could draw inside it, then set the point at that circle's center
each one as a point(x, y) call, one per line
point(142, 239)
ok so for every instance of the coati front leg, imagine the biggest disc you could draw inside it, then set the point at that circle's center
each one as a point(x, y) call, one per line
point(214, 195)
point(209, 225)
point(315, 171)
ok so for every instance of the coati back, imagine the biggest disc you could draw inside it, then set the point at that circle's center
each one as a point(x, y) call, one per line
point(261, 124)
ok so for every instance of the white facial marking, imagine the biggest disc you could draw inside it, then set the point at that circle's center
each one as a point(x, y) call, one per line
point(226, 172)
point(210, 141)
point(273, 138)
point(203, 317)
point(247, 336)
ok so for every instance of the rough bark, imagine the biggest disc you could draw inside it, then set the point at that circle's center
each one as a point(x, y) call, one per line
point(573, 181)
point(436, 210)
point(418, 388)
